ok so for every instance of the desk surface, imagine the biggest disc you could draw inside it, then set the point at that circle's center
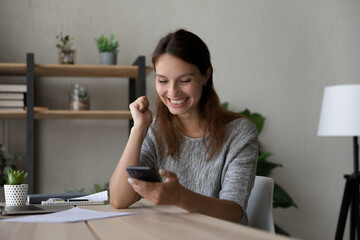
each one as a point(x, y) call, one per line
point(152, 222)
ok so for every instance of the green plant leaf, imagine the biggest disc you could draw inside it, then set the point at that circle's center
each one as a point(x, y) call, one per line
point(64, 43)
point(264, 168)
point(246, 113)
point(107, 44)
point(225, 105)
point(263, 156)
point(282, 198)
point(256, 118)
point(15, 177)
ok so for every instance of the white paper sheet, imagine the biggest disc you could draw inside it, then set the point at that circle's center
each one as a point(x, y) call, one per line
point(100, 196)
point(72, 215)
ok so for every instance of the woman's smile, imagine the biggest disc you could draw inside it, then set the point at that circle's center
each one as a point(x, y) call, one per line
point(178, 102)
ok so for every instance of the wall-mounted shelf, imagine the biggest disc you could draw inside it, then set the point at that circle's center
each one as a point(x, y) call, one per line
point(66, 114)
point(62, 70)
point(12, 114)
point(136, 75)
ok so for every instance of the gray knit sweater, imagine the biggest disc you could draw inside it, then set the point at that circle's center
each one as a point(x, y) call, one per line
point(229, 175)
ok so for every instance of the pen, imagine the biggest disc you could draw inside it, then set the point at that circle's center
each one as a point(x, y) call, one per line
point(78, 200)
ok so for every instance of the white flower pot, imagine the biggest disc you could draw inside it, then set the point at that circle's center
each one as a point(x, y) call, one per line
point(15, 195)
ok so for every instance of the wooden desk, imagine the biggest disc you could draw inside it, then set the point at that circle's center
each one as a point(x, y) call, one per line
point(152, 222)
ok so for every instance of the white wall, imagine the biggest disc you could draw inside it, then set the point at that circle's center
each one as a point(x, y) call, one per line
point(271, 56)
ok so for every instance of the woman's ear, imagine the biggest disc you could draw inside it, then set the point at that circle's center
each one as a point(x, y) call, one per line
point(207, 75)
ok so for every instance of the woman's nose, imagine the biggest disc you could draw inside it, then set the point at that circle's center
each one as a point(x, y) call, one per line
point(173, 89)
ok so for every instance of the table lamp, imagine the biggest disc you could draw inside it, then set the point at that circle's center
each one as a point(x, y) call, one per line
point(340, 116)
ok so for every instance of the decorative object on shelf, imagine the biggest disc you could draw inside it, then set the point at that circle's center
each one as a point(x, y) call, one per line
point(108, 48)
point(281, 199)
point(79, 98)
point(16, 191)
point(340, 117)
point(66, 53)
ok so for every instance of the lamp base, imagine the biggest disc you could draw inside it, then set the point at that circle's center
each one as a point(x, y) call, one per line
point(351, 197)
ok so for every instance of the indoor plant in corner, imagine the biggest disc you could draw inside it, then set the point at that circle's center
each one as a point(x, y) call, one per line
point(16, 191)
point(108, 49)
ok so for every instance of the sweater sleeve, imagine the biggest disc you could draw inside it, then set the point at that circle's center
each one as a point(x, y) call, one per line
point(239, 171)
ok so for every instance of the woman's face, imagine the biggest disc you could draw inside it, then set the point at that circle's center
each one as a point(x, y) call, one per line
point(179, 85)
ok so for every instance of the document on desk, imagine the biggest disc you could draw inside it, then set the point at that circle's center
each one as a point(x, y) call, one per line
point(68, 216)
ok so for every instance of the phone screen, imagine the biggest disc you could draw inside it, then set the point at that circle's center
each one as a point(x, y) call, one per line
point(143, 173)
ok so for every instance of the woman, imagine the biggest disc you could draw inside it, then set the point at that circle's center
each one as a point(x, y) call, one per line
point(206, 156)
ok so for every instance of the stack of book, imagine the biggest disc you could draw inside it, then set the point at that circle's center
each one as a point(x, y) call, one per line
point(12, 97)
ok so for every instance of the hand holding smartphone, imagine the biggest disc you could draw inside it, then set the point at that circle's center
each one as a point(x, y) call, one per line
point(143, 173)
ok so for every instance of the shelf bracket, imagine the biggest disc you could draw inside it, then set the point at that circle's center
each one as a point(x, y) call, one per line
point(137, 87)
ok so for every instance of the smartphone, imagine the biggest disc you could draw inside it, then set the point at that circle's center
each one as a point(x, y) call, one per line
point(143, 173)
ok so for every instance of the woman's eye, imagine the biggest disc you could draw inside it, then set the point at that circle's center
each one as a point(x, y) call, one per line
point(162, 81)
point(185, 81)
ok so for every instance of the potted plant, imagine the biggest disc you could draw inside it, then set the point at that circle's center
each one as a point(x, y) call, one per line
point(16, 191)
point(66, 53)
point(108, 48)
point(7, 161)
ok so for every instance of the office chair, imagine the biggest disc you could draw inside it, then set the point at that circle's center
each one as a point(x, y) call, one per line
point(259, 209)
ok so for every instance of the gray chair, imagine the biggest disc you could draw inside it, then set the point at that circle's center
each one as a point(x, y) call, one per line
point(259, 209)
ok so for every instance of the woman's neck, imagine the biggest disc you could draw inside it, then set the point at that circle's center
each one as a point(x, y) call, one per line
point(191, 127)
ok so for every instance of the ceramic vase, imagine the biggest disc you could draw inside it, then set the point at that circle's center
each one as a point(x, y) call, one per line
point(108, 58)
point(15, 195)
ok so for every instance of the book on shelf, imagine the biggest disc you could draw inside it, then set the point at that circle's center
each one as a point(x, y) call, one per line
point(10, 96)
point(12, 88)
point(12, 103)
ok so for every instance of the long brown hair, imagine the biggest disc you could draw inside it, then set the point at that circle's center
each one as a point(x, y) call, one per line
point(190, 48)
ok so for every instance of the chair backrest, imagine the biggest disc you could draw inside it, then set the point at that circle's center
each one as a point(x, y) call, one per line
point(259, 209)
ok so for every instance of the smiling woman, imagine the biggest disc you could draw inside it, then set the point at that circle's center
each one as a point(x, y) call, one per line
point(205, 155)
point(179, 85)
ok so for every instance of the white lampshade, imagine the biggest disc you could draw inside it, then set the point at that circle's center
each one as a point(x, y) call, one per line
point(340, 111)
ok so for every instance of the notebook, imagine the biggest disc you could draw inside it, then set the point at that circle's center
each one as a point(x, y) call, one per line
point(37, 198)
point(31, 209)
point(99, 198)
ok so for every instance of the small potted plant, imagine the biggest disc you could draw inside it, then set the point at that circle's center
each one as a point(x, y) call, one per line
point(108, 48)
point(16, 191)
point(66, 53)
point(7, 161)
